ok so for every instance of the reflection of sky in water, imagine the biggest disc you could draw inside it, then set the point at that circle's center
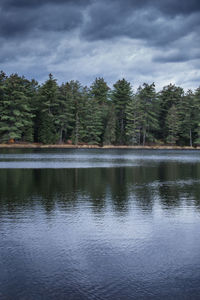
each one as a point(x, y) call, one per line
point(95, 158)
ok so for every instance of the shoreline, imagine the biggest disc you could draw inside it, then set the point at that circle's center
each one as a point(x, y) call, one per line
point(67, 146)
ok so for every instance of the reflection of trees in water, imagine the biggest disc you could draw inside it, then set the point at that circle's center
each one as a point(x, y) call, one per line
point(180, 182)
point(100, 187)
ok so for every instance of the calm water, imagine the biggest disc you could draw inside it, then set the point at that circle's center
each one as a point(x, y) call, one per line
point(99, 224)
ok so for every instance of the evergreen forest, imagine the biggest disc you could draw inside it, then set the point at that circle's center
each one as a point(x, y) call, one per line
point(72, 113)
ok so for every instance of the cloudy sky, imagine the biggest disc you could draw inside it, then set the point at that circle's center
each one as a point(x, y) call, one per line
point(141, 40)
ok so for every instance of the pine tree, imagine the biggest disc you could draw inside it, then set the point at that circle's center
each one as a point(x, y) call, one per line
point(52, 113)
point(121, 95)
point(77, 94)
point(187, 118)
point(2, 99)
point(99, 91)
point(197, 117)
point(30, 90)
point(2, 85)
point(134, 120)
point(48, 96)
point(173, 125)
point(170, 95)
point(93, 123)
point(110, 127)
point(15, 110)
point(64, 112)
point(85, 116)
point(148, 111)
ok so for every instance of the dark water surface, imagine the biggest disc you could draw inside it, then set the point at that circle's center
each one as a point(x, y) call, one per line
point(99, 224)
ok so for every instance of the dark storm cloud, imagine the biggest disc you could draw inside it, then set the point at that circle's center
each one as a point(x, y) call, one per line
point(19, 17)
point(157, 22)
point(173, 7)
point(97, 37)
point(180, 55)
point(170, 7)
point(166, 6)
point(35, 3)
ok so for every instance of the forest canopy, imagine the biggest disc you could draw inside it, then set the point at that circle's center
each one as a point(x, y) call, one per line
point(71, 113)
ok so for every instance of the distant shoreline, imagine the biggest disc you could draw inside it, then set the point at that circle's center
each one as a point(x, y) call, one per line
point(67, 146)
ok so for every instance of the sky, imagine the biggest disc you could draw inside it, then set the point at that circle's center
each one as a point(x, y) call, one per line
point(139, 40)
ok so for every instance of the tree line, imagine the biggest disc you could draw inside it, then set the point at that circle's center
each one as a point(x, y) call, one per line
point(71, 113)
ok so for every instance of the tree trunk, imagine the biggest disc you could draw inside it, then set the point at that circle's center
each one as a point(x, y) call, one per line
point(144, 137)
point(61, 134)
point(76, 130)
point(190, 138)
point(140, 136)
point(122, 131)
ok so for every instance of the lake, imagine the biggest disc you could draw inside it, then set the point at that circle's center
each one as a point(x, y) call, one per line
point(99, 224)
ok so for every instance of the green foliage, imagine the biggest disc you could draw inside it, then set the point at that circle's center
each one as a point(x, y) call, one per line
point(99, 90)
point(93, 123)
point(65, 111)
point(16, 114)
point(48, 97)
point(53, 113)
point(134, 120)
point(78, 95)
point(110, 127)
point(170, 95)
point(197, 117)
point(121, 96)
point(187, 118)
point(173, 125)
point(148, 112)
point(99, 93)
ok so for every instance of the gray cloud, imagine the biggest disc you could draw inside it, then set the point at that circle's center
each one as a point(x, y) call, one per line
point(35, 3)
point(157, 24)
point(20, 22)
point(78, 38)
point(152, 20)
point(177, 56)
